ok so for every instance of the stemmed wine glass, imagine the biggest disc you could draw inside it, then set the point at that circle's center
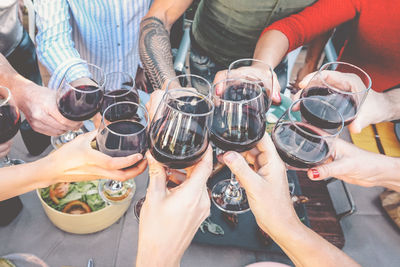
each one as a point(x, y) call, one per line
point(79, 96)
point(119, 86)
point(10, 120)
point(346, 96)
point(122, 133)
point(301, 140)
point(238, 124)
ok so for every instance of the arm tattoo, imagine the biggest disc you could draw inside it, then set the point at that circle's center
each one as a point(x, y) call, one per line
point(155, 51)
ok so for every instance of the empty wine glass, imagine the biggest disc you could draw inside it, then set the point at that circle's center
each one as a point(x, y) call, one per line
point(303, 142)
point(10, 120)
point(79, 96)
point(239, 122)
point(122, 133)
point(346, 95)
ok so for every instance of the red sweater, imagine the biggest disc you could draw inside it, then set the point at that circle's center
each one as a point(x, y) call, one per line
point(375, 44)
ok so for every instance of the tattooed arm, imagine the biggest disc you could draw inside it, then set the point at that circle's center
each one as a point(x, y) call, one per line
point(154, 43)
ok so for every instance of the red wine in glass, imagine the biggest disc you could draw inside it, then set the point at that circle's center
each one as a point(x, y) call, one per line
point(81, 104)
point(119, 95)
point(10, 121)
point(299, 146)
point(318, 116)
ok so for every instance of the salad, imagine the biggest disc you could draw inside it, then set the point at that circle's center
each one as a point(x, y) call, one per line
point(74, 198)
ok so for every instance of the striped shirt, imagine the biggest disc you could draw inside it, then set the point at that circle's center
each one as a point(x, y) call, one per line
point(101, 32)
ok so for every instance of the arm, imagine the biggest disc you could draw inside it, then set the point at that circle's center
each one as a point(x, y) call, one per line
point(298, 29)
point(154, 43)
point(55, 47)
point(84, 163)
point(268, 195)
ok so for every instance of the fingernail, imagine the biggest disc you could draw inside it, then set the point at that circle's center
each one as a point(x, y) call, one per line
point(315, 174)
point(229, 157)
point(137, 157)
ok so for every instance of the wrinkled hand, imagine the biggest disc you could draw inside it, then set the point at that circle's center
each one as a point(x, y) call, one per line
point(356, 166)
point(40, 108)
point(170, 218)
point(253, 73)
point(78, 161)
point(267, 187)
point(5, 148)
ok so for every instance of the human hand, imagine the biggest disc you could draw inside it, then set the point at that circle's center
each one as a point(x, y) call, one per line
point(170, 218)
point(5, 148)
point(85, 163)
point(253, 73)
point(40, 108)
point(152, 104)
point(141, 79)
point(357, 166)
point(266, 187)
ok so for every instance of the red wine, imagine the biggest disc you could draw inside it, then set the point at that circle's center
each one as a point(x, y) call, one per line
point(79, 106)
point(120, 140)
point(119, 95)
point(297, 148)
point(10, 121)
point(326, 118)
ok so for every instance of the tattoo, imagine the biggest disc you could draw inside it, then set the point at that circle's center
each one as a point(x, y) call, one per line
point(155, 51)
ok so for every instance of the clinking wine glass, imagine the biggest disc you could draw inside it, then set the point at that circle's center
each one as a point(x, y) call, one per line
point(346, 95)
point(79, 96)
point(302, 141)
point(10, 120)
point(238, 125)
point(122, 133)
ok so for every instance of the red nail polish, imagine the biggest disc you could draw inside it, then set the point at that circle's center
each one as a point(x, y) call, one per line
point(315, 173)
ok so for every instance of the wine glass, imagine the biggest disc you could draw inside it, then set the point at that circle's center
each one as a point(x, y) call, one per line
point(10, 120)
point(237, 69)
point(347, 95)
point(122, 133)
point(79, 96)
point(302, 141)
point(239, 122)
point(119, 86)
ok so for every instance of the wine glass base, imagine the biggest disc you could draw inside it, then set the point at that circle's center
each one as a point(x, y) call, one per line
point(12, 162)
point(115, 192)
point(235, 205)
point(58, 141)
point(138, 207)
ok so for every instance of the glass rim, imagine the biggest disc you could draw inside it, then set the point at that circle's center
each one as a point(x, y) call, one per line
point(249, 59)
point(125, 102)
point(7, 100)
point(260, 94)
point(323, 68)
point(189, 75)
point(133, 87)
point(205, 98)
point(82, 91)
point(313, 98)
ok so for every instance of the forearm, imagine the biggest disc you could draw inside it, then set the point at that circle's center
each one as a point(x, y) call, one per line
point(155, 52)
point(306, 248)
point(271, 47)
point(19, 179)
point(389, 175)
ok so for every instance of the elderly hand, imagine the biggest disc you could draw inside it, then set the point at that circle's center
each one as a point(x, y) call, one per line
point(78, 161)
point(5, 148)
point(40, 108)
point(170, 218)
point(266, 187)
point(357, 166)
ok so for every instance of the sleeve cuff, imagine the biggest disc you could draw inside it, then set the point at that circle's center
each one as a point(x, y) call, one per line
point(79, 71)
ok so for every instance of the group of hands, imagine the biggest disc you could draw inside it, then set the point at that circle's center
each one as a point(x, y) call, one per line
point(186, 206)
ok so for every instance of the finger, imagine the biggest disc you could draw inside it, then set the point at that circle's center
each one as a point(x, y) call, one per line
point(124, 162)
point(42, 128)
point(202, 170)
point(134, 171)
point(237, 164)
point(336, 169)
point(221, 75)
point(157, 175)
point(306, 80)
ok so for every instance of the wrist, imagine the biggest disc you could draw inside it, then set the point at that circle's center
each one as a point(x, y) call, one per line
point(152, 256)
point(389, 175)
point(275, 224)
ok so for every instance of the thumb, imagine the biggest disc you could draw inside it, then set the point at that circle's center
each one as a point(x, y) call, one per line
point(239, 166)
point(332, 169)
point(157, 176)
point(306, 80)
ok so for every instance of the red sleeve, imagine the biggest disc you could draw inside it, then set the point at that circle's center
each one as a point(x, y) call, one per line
point(314, 20)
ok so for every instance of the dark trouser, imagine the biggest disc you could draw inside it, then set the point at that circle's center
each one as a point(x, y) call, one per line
point(24, 60)
point(202, 65)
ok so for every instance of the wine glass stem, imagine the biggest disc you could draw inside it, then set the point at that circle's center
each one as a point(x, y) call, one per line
point(69, 136)
point(233, 190)
point(7, 161)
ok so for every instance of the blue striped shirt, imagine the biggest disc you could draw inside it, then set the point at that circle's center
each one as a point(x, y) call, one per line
point(101, 32)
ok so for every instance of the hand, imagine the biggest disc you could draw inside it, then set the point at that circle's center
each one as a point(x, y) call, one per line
point(5, 148)
point(303, 72)
point(155, 99)
point(267, 187)
point(141, 79)
point(170, 218)
point(356, 166)
point(254, 73)
point(78, 161)
point(40, 108)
